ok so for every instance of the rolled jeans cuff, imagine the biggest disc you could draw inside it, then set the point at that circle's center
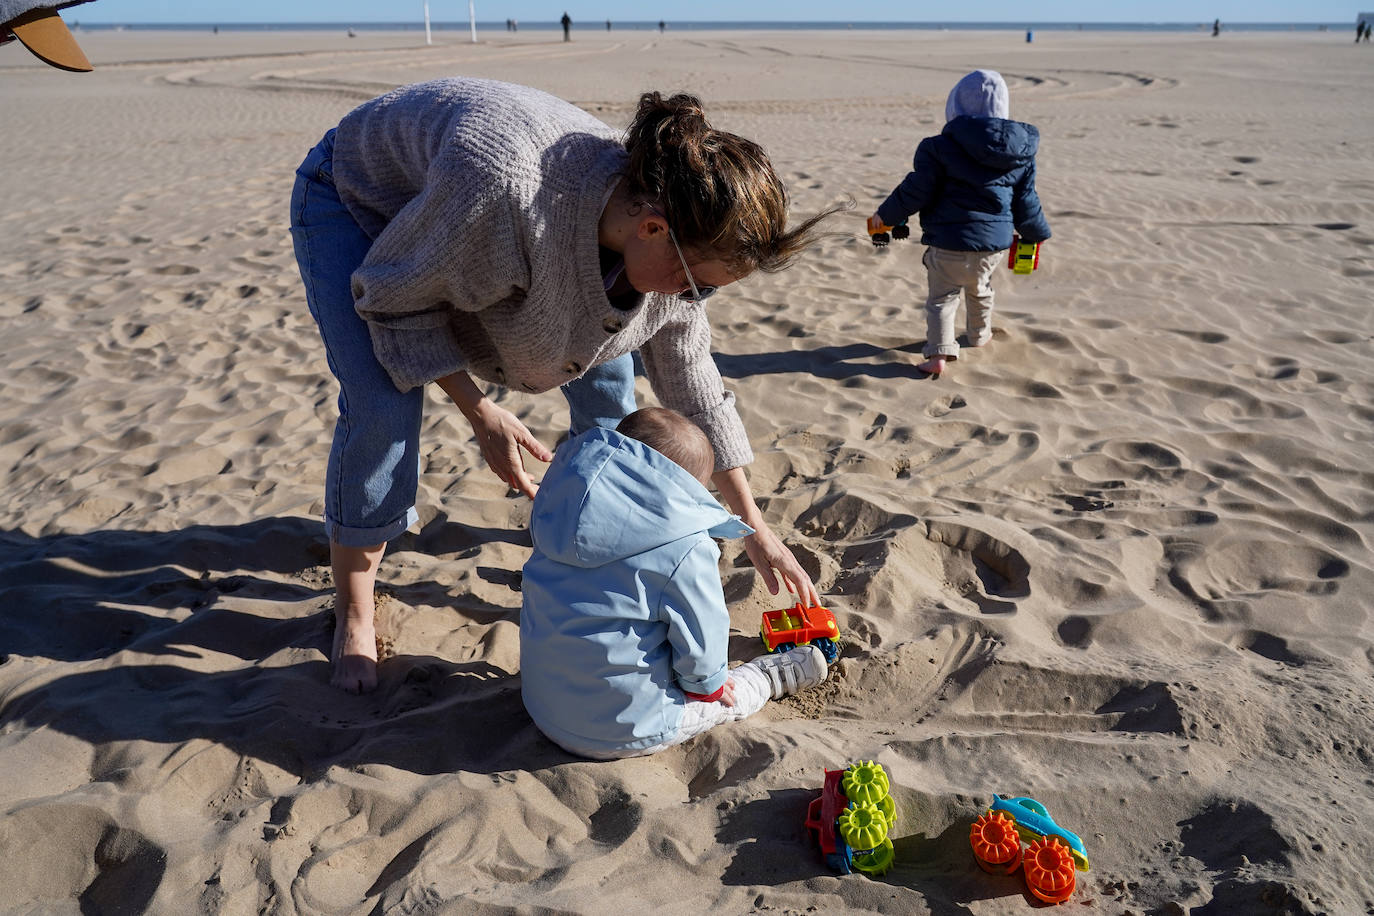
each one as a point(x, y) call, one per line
point(345, 536)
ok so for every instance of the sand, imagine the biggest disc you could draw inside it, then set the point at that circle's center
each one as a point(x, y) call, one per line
point(1119, 560)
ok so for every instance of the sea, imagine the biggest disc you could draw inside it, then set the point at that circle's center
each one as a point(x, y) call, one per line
point(741, 25)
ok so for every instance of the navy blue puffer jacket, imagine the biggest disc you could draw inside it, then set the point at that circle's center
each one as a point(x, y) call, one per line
point(973, 185)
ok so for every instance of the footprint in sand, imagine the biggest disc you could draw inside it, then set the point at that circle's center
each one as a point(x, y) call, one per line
point(943, 406)
point(1207, 337)
point(1225, 579)
point(1269, 646)
point(123, 868)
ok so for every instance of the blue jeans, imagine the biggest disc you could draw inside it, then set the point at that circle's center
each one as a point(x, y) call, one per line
point(374, 462)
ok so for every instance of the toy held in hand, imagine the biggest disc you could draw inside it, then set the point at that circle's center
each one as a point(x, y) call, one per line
point(1023, 257)
point(880, 233)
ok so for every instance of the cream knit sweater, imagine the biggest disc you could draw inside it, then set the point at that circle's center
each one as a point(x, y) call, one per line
point(483, 199)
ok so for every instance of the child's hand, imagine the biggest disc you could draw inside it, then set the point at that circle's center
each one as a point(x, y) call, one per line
point(727, 694)
point(878, 231)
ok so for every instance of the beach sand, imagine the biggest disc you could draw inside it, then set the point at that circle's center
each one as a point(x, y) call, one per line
point(1119, 560)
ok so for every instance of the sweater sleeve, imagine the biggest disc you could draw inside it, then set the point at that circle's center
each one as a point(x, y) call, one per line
point(455, 246)
point(698, 624)
point(685, 378)
point(1026, 214)
point(917, 189)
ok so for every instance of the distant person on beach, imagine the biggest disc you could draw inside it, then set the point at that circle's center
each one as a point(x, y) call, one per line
point(567, 27)
point(661, 26)
point(624, 631)
point(468, 228)
point(1216, 28)
point(36, 25)
point(973, 186)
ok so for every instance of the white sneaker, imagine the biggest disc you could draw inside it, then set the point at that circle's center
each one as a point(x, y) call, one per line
point(793, 670)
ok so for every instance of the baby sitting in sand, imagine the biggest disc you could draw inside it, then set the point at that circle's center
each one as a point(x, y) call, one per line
point(624, 630)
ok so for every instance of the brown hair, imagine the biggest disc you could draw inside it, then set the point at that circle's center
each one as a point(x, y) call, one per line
point(674, 436)
point(718, 191)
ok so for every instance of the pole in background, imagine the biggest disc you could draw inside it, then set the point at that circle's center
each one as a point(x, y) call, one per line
point(428, 39)
point(472, 21)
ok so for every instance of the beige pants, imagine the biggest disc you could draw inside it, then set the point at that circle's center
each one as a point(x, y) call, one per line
point(949, 274)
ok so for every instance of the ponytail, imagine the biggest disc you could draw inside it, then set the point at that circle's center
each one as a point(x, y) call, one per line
point(717, 190)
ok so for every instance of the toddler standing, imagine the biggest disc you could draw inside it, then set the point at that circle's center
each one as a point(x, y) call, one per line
point(973, 185)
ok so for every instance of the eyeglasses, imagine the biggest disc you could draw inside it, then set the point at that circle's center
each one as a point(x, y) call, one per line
point(698, 293)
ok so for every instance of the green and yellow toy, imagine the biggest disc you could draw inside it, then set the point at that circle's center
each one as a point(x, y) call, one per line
point(852, 819)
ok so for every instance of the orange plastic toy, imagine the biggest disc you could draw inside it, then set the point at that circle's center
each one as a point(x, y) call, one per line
point(996, 844)
point(1048, 862)
point(1049, 870)
point(795, 626)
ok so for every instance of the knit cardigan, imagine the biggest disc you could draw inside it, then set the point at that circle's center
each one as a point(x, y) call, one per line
point(483, 201)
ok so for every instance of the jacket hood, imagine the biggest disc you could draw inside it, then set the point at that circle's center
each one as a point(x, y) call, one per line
point(995, 142)
point(981, 94)
point(607, 497)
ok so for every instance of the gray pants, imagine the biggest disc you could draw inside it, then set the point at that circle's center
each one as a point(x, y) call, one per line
point(948, 274)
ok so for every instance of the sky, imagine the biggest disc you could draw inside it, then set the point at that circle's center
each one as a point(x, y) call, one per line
point(226, 11)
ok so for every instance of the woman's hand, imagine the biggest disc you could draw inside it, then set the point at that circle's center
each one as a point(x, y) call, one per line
point(500, 434)
point(767, 552)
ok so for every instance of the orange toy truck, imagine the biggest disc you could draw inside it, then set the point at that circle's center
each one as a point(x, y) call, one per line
point(798, 625)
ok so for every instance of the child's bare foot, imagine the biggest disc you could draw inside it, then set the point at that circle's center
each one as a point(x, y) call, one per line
point(933, 366)
point(354, 655)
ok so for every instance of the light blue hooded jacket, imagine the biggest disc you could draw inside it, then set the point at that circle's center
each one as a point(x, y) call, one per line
point(623, 606)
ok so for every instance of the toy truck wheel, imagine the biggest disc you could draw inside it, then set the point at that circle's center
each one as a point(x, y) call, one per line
point(876, 861)
point(865, 781)
point(863, 826)
point(996, 845)
point(784, 647)
point(1049, 870)
point(828, 648)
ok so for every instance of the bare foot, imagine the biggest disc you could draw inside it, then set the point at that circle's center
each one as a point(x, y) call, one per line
point(355, 651)
point(933, 366)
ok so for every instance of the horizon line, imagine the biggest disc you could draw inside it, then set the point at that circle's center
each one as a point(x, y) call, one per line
point(598, 21)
